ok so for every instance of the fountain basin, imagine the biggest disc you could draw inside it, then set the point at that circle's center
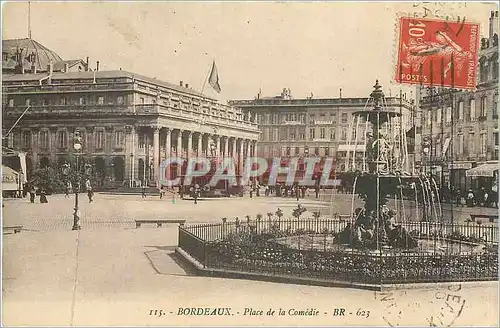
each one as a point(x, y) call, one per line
point(431, 245)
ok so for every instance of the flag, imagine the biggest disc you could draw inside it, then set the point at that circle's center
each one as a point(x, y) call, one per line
point(213, 80)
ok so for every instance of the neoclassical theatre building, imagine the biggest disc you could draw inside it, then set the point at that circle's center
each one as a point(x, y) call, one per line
point(129, 123)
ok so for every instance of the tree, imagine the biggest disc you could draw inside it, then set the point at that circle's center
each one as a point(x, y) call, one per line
point(299, 211)
point(48, 179)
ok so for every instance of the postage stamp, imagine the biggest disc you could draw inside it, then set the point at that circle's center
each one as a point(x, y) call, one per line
point(437, 52)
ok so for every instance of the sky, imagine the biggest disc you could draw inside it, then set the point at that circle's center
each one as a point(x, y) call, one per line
point(308, 47)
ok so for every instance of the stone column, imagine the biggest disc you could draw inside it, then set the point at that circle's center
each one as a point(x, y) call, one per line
point(190, 144)
point(179, 143)
point(217, 144)
point(168, 143)
point(129, 154)
point(249, 148)
point(179, 151)
point(200, 144)
point(226, 147)
point(168, 150)
point(241, 155)
point(234, 152)
point(156, 152)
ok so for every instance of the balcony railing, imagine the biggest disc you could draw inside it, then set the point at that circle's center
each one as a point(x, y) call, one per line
point(291, 122)
point(201, 118)
point(67, 109)
point(390, 101)
point(84, 87)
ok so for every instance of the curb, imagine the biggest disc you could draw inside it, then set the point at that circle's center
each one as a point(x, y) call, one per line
point(232, 274)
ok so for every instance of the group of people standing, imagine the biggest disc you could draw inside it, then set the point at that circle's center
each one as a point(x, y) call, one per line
point(283, 190)
point(33, 191)
point(480, 197)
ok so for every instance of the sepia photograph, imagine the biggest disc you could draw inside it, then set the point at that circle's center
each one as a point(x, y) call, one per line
point(250, 163)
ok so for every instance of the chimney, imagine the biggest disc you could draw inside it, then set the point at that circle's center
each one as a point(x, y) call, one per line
point(97, 66)
point(50, 71)
point(66, 67)
point(87, 64)
point(181, 83)
point(493, 24)
point(187, 86)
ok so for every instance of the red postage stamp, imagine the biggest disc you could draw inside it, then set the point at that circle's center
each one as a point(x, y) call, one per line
point(437, 52)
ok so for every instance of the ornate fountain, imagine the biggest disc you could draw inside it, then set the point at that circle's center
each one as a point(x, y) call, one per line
point(382, 176)
point(397, 236)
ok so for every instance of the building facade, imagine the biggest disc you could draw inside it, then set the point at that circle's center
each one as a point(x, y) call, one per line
point(460, 128)
point(129, 123)
point(322, 127)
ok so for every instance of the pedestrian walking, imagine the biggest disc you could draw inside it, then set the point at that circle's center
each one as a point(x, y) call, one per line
point(143, 191)
point(196, 193)
point(90, 191)
point(32, 193)
point(470, 198)
point(67, 189)
point(43, 197)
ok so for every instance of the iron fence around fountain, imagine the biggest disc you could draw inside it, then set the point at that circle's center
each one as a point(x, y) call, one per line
point(219, 231)
point(254, 246)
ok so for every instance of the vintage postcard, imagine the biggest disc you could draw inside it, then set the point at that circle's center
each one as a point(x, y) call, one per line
point(250, 164)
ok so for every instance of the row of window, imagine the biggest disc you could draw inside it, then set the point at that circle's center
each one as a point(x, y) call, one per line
point(461, 115)
point(285, 134)
point(315, 151)
point(62, 139)
point(279, 118)
point(466, 143)
point(67, 101)
point(82, 101)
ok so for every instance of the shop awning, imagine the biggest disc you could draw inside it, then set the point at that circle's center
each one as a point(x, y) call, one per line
point(484, 170)
point(10, 179)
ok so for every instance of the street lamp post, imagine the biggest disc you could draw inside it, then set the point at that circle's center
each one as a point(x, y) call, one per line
point(426, 147)
point(77, 147)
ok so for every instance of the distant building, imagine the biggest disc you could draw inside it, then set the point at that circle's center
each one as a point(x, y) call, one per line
point(460, 128)
point(128, 122)
point(317, 126)
point(29, 56)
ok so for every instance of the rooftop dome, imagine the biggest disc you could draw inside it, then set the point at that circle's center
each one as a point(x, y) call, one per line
point(28, 46)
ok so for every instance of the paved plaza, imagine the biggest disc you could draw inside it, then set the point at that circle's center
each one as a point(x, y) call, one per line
point(110, 273)
point(119, 211)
